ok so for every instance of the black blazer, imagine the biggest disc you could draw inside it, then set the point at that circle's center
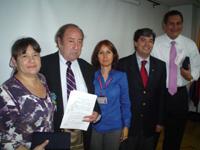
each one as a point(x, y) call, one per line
point(147, 105)
point(50, 68)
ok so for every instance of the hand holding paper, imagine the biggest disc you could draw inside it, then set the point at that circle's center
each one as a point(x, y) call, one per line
point(78, 111)
point(91, 118)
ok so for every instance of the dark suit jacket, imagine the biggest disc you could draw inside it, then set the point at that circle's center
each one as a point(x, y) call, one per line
point(147, 104)
point(50, 68)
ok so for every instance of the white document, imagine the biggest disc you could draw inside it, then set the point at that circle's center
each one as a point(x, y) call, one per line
point(79, 105)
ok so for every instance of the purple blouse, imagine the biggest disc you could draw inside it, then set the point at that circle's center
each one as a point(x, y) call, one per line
point(22, 113)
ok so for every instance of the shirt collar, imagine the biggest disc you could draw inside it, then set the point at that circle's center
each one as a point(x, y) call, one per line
point(168, 39)
point(139, 59)
point(98, 73)
point(63, 60)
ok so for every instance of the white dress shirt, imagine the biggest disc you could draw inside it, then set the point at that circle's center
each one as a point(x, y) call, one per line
point(80, 82)
point(139, 60)
point(185, 47)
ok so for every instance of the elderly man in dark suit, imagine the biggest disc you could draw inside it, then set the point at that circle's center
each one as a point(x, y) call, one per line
point(146, 78)
point(69, 40)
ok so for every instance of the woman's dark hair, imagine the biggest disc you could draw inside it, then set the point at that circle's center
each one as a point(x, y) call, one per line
point(97, 48)
point(20, 46)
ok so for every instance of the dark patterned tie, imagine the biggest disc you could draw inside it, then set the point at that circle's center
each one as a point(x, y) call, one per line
point(144, 73)
point(71, 83)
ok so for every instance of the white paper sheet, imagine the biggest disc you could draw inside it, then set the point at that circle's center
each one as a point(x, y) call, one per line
point(79, 105)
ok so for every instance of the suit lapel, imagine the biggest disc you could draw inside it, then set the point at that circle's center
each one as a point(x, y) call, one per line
point(56, 84)
point(152, 68)
point(135, 70)
point(87, 73)
point(84, 71)
point(56, 73)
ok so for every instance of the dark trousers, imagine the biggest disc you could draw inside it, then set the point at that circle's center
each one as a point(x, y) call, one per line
point(157, 136)
point(139, 142)
point(175, 119)
point(105, 141)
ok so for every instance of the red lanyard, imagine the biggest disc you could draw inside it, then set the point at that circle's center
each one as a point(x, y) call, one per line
point(101, 85)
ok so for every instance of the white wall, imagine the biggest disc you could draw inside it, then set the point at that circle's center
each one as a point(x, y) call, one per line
point(115, 20)
point(198, 22)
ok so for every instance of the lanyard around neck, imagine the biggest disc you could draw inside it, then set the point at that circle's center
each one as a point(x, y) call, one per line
point(106, 84)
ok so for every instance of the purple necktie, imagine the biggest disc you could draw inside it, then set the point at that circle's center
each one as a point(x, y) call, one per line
point(71, 83)
point(172, 84)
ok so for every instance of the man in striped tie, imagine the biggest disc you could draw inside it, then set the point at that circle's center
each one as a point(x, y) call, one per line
point(65, 71)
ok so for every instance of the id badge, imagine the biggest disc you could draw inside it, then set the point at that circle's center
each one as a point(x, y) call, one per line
point(102, 100)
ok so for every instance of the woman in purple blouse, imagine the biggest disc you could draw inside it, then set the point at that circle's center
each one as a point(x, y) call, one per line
point(25, 103)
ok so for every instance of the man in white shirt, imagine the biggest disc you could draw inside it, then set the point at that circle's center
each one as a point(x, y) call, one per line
point(176, 105)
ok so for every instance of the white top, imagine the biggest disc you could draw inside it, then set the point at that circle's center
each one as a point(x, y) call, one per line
point(185, 47)
point(80, 82)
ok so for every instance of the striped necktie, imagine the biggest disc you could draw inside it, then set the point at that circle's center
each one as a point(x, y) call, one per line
point(71, 83)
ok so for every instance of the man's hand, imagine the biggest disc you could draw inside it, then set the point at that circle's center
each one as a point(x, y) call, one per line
point(124, 134)
point(159, 128)
point(21, 147)
point(42, 146)
point(91, 118)
point(186, 74)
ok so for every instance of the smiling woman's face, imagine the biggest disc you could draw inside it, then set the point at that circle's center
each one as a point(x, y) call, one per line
point(28, 63)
